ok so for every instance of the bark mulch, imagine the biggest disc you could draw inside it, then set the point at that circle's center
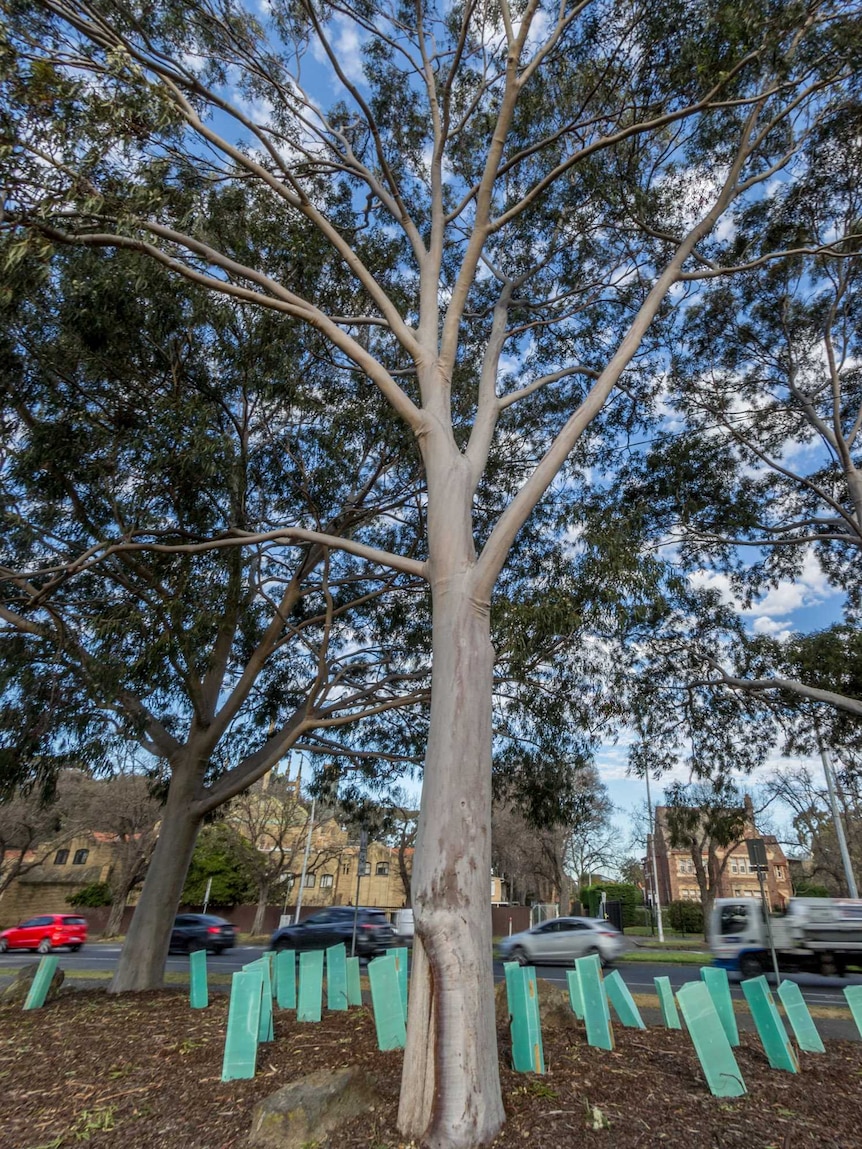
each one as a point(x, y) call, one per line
point(144, 1071)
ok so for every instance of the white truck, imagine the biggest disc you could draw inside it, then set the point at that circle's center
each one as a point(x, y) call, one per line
point(818, 935)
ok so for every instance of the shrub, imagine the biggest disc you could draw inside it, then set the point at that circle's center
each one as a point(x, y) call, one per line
point(630, 896)
point(687, 917)
point(92, 896)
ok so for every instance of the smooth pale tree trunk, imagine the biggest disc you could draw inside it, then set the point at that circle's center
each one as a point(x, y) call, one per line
point(450, 1095)
point(142, 961)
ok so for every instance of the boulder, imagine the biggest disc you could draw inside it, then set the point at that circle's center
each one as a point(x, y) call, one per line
point(16, 992)
point(308, 1109)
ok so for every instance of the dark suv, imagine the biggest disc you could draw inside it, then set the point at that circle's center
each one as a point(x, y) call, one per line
point(331, 926)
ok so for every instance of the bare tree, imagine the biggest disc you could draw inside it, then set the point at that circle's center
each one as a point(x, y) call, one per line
point(708, 820)
point(126, 811)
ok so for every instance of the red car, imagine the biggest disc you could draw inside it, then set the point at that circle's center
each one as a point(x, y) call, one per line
point(45, 933)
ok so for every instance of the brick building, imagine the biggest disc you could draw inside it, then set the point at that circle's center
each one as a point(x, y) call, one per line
point(66, 870)
point(677, 879)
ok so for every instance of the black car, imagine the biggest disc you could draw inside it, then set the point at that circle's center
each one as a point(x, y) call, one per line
point(374, 934)
point(201, 932)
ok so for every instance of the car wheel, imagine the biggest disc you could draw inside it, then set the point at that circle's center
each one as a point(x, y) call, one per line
point(520, 955)
point(44, 946)
point(218, 949)
point(4, 945)
point(193, 945)
point(74, 949)
point(750, 966)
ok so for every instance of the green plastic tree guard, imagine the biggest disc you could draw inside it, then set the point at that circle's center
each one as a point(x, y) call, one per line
point(528, 1055)
point(621, 999)
point(401, 959)
point(310, 1004)
point(285, 979)
point(770, 1027)
point(386, 1003)
point(710, 1040)
point(668, 1006)
point(575, 999)
point(41, 982)
point(853, 994)
point(265, 1030)
point(198, 989)
point(354, 989)
point(263, 967)
point(336, 977)
point(715, 980)
point(597, 1018)
point(243, 1024)
point(807, 1037)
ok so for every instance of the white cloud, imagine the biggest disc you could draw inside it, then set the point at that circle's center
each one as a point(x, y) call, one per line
point(809, 588)
point(346, 42)
point(769, 626)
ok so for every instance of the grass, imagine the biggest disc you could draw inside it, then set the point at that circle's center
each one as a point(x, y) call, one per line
point(676, 957)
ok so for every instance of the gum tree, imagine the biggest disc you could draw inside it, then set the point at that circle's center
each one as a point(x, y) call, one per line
point(131, 408)
point(545, 176)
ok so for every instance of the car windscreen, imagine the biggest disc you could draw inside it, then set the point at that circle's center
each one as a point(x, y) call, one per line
point(733, 919)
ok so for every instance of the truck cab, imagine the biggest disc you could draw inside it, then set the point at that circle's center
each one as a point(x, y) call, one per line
point(738, 935)
point(818, 935)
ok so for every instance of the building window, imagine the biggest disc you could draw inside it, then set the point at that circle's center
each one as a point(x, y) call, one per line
point(734, 868)
point(309, 881)
point(61, 857)
point(80, 857)
point(382, 870)
point(779, 874)
point(364, 869)
point(291, 880)
point(326, 881)
point(345, 868)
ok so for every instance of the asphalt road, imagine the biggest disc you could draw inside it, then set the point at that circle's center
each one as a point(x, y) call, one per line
point(103, 957)
point(637, 975)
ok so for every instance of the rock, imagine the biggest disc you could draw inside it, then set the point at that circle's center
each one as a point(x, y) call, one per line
point(16, 993)
point(305, 1111)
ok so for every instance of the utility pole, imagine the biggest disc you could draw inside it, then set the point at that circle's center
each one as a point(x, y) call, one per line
point(304, 863)
point(360, 865)
point(650, 848)
point(839, 825)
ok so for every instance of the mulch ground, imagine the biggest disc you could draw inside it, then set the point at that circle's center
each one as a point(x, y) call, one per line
point(144, 1071)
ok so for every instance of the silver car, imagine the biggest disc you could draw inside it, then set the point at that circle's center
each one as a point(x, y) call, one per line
point(561, 940)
